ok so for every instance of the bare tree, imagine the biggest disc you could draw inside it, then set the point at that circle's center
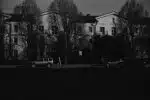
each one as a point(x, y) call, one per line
point(130, 10)
point(28, 7)
point(63, 12)
point(64, 8)
point(30, 10)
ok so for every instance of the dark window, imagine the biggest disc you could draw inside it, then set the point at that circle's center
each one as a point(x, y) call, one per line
point(16, 28)
point(113, 19)
point(114, 31)
point(54, 29)
point(15, 40)
point(90, 29)
point(102, 29)
point(79, 29)
point(2, 29)
point(41, 28)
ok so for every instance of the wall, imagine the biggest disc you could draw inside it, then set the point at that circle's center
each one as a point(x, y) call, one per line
point(20, 45)
point(44, 19)
point(87, 31)
point(106, 22)
point(85, 28)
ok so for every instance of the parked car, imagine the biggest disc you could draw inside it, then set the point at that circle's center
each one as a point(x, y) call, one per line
point(44, 61)
point(113, 63)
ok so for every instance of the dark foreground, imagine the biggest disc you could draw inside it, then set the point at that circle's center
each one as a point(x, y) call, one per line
point(77, 81)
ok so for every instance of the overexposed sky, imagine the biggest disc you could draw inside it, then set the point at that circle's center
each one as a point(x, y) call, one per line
point(94, 7)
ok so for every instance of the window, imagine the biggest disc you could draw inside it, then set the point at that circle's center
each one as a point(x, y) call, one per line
point(90, 29)
point(16, 28)
point(113, 19)
point(102, 29)
point(54, 29)
point(114, 31)
point(79, 29)
point(15, 40)
point(41, 28)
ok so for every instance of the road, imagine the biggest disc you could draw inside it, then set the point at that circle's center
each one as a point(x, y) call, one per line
point(97, 81)
point(84, 81)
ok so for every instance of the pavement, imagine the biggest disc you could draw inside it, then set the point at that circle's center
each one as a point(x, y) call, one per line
point(63, 66)
point(78, 81)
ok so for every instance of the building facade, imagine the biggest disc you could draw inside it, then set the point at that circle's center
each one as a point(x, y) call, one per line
point(18, 41)
point(85, 25)
point(107, 24)
point(50, 20)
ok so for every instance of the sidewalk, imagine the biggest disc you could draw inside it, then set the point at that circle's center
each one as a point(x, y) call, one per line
point(57, 66)
point(8, 66)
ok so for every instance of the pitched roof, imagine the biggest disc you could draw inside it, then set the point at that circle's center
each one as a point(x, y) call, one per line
point(107, 14)
point(19, 17)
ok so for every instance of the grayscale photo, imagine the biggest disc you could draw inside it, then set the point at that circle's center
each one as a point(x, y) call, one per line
point(76, 47)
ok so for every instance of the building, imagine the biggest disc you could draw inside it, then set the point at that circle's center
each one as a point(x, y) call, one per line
point(14, 39)
point(85, 25)
point(107, 24)
point(50, 20)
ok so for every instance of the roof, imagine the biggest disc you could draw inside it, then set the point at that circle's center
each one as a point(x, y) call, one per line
point(107, 14)
point(19, 17)
point(4, 14)
point(49, 12)
point(85, 19)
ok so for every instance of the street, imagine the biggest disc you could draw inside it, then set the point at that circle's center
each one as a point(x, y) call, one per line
point(85, 81)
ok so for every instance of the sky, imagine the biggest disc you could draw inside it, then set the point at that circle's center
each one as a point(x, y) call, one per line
point(94, 7)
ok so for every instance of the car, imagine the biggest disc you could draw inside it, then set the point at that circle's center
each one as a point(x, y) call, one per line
point(112, 63)
point(43, 61)
point(115, 64)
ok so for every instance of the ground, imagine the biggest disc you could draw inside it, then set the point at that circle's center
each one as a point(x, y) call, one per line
point(85, 81)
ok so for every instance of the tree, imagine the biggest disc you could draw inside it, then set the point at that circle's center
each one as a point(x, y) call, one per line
point(62, 13)
point(30, 10)
point(28, 7)
point(130, 10)
point(1, 37)
point(64, 8)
